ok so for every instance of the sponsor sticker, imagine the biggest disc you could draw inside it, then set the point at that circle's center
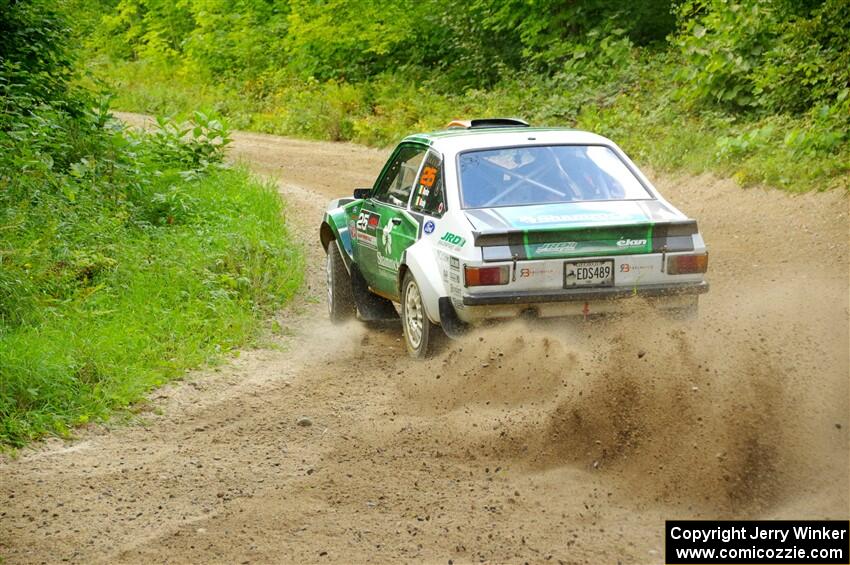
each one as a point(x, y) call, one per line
point(366, 228)
point(528, 272)
point(450, 239)
point(368, 221)
point(429, 227)
point(421, 197)
point(429, 175)
point(388, 263)
point(556, 248)
point(631, 243)
point(426, 181)
point(629, 268)
point(387, 238)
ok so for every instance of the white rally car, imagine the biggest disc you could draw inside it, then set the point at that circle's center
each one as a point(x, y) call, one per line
point(493, 219)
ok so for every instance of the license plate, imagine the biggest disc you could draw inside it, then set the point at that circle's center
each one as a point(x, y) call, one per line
point(589, 273)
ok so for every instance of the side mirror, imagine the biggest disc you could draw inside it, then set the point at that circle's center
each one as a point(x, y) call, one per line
point(362, 193)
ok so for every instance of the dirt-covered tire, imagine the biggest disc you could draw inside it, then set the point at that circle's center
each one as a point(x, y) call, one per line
point(420, 334)
point(340, 296)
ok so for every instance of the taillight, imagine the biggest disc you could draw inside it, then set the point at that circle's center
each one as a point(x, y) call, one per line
point(687, 264)
point(484, 276)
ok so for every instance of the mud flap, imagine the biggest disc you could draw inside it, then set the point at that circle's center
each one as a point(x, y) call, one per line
point(370, 306)
point(453, 326)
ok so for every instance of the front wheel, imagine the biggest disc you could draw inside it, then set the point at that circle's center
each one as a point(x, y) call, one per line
point(419, 332)
point(340, 295)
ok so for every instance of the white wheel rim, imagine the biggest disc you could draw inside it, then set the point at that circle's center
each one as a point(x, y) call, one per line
point(329, 277)
point(414, 317)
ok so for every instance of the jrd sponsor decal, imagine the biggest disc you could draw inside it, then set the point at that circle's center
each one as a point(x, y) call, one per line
point(556, 248)
point(452, 240)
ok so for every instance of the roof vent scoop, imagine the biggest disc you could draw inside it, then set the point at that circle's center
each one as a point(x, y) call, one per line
point(488, 123)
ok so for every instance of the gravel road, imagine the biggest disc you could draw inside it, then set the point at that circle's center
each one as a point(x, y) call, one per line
point(546, 443)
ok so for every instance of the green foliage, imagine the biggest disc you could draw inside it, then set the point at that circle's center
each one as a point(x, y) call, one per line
point(34, 48)
point(552, 31)
point(784, 65)
point(224, 42)
point(193, 147)
point(137, 261)
point(763, 81)
point(147, 28)
point(133, 304)
point(723, 42)
point(339, 37)
point(772, 55)
point(125, 257)
point(810, 63)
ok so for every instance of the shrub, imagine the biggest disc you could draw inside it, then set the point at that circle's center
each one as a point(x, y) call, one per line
point(125, 257)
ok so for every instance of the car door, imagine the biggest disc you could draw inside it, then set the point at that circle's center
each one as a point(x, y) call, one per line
point(385, 228)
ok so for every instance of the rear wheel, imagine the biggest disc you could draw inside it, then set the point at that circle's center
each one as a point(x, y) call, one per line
point(340, 296)
point(419, 332)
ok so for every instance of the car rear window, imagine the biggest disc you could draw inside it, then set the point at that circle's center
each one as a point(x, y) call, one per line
point(516, 176)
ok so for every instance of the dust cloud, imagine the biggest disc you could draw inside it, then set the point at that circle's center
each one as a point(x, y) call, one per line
point(730, 413)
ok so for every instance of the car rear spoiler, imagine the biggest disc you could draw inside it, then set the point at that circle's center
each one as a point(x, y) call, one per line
point(506, 245)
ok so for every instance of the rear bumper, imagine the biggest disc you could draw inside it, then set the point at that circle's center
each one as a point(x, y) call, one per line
point(585, 294)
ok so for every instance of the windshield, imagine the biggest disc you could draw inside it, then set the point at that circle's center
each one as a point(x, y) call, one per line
point(516, 176)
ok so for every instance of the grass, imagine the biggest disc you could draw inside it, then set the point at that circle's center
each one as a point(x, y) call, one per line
point(637, 108)
point(145, 303)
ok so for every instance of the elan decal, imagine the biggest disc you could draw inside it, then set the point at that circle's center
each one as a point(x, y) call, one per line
point(631, 242)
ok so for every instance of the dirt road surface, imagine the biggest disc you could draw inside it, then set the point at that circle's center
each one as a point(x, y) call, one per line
point(547, 443)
